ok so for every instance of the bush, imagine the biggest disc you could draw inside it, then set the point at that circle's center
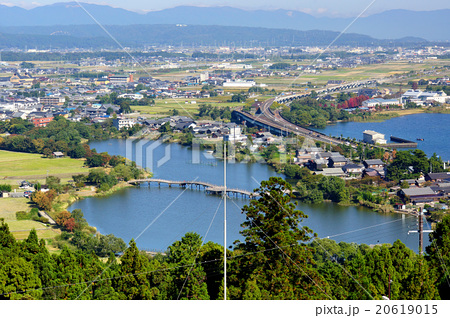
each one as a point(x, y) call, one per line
point(32, 215)
point(41, 219)
point(22, 215)
point(5, 188)
point(104, 187)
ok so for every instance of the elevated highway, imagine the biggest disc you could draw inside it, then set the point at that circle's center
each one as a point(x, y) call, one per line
point(276, 124)
point(329, 90)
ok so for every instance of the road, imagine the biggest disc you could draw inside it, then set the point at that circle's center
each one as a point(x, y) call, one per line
point(275, 117)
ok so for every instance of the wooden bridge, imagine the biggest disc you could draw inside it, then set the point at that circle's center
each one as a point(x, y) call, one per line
point(208, 187)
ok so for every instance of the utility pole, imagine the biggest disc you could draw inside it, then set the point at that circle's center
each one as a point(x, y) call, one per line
point(225, 220)
point(420, 231)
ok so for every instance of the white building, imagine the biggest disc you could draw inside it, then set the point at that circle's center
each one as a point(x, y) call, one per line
point(235, 134)
point(120, 123)
point(239, 83)
point(419, 97)
point(131, 96)
point(373, 102)
point(204, 77)
point(373, 137)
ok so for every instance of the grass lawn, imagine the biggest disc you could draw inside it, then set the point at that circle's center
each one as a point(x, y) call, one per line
point(185, 107)
point(403, 112)
point(16, 166)
point(21, 229)
point(9, 207)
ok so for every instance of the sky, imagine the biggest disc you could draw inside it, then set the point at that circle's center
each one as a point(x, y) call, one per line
point(332, 8)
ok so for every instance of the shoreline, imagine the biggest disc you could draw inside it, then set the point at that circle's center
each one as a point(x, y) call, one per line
point(65, 203)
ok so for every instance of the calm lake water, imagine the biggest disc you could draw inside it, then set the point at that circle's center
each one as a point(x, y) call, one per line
point(433, 128)
point(157, 216)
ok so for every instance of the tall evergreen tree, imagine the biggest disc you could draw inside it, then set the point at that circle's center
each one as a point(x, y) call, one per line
point(272, 262)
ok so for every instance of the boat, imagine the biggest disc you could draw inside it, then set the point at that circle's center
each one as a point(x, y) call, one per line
point(420, 139)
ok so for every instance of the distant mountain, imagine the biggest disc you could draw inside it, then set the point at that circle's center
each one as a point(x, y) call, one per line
point(37, 41)
point(192, 35)
point(430, 25)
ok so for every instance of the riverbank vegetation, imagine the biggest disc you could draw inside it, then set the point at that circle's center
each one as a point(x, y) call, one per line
point(278, 259)
point(60, 135)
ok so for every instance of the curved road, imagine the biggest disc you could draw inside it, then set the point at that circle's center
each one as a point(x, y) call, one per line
point(269, 118)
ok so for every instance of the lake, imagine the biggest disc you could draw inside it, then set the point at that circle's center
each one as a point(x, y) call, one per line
point(158, 216)
point(433, 128)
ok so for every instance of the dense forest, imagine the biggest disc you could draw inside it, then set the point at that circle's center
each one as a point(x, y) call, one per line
point(278, 258)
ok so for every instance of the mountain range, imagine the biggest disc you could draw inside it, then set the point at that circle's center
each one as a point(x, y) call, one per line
point(393, 24)
point(142, 35)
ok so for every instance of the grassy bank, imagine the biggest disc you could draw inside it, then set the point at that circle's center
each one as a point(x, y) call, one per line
point(17, 166)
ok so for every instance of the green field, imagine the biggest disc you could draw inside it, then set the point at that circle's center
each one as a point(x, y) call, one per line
point(20, 229)
point(185, 107)
point(16, 166)
point(372, 71)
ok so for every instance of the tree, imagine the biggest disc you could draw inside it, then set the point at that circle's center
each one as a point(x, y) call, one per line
point(77, 152)
point(65, 220)
point(96, 160)
point(334, 189)
point(125, 107)
point(188, 277)
point(369, 272)
point(18, 280)
point(26, 65)
point(272, 261)
point(238, 98)
point(7, 240)
point(132, 282)
point(439, 256)
point(165, 128)
point(44, 200)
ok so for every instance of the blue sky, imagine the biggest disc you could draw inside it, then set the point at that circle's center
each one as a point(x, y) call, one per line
point(315, 7)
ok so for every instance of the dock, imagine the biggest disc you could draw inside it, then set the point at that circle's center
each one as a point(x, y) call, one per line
point(208, 187)
point(400, 143)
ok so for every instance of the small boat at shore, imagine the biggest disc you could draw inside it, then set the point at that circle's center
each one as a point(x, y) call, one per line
point(420, 139)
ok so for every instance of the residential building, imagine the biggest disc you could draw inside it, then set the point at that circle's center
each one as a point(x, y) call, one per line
point(337, 161)
point(331, 172)
point(41, 121)
point(353, 169)
point(437, 176)
point(373, 163)
point(52, 100)
point(120, 122)
point(419, 195)
point(120, 79)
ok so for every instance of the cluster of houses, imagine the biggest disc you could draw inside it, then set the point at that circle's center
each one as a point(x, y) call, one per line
point(202, 129)
point(427, 189)
point(334, 164)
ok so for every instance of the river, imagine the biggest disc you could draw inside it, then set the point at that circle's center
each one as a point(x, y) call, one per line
point(433, 128)
point(158, 216)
